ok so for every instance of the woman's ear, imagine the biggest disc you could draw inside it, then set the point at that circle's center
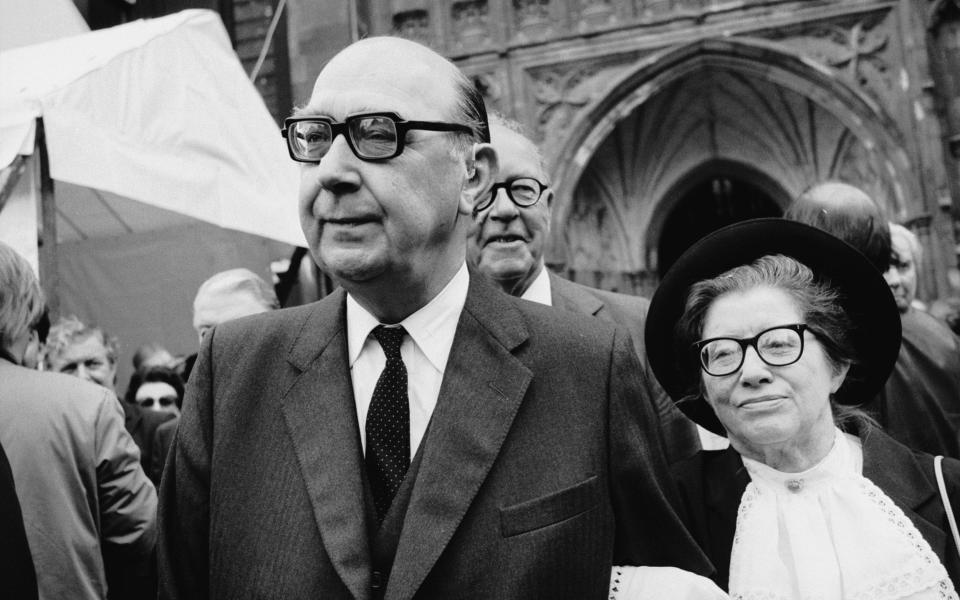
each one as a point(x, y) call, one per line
point(839, 375)
point(480, 178)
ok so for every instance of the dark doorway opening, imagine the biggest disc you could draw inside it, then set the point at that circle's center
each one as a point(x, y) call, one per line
point(706, 206)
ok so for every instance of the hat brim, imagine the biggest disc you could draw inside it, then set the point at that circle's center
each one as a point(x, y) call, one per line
point(864, 294)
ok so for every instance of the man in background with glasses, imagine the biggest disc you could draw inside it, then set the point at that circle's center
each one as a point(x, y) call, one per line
point(511, 226)
point(417, 433)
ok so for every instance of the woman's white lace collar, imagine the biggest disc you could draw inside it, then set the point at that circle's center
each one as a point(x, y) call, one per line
point(829, 533)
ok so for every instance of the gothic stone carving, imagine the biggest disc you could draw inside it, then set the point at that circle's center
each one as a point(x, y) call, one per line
point(859, 48)
point(470, 22)
point(413, 25)
point(560, 91)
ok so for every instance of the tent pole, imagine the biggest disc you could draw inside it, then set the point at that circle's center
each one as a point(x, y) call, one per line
point(47, 238)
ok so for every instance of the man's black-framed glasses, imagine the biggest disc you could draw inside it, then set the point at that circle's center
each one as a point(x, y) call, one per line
point(523, 191)
point(778, 347)
point(371, 136)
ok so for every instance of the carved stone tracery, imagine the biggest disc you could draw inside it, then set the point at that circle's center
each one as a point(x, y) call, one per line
point(860, 49)
point(559, 92)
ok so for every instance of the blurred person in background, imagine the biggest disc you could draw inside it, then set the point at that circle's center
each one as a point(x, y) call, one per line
point(920, 404)
point(227, 295)
point(152, 354)
point(88, 507)
point(148, 355)
point(230, 295)
point(905, 257)
point(158, 388)
point(77, 349)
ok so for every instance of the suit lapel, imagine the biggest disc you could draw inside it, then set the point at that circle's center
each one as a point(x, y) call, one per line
point(481, 392)
point(320, 412)
point(570, 297)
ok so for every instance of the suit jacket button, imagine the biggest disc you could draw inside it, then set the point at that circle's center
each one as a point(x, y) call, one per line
point(376, 581)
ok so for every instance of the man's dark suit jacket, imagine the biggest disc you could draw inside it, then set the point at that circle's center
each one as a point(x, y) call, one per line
point(630, 312)
point(538, 470)
point(713, 483)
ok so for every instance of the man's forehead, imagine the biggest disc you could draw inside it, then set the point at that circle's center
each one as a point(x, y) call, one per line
point(85, 347)
point(518, 156)
point(356, 82)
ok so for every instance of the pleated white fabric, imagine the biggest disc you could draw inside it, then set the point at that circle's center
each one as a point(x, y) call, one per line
point(829, 533)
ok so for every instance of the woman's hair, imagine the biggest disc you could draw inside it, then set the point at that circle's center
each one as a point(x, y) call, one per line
point(818, 302)
point(21, 299)
point(156, 373)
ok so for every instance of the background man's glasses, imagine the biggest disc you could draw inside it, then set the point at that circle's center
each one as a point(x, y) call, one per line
point(371, 136)
point(778, 346)
point(523, 191)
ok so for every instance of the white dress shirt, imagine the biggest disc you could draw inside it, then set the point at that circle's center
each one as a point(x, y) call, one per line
point(539, 290)
point(424, 351)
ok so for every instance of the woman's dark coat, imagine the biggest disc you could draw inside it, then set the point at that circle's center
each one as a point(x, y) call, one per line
point(712, 483)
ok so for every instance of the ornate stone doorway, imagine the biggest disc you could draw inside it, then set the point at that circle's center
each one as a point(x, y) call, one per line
point(717, 195)
point(701, 136)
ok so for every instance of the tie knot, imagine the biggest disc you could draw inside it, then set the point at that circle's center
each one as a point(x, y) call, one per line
point(390, 339)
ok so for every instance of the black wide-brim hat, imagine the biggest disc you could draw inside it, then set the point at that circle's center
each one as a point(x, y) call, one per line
point(864, 295)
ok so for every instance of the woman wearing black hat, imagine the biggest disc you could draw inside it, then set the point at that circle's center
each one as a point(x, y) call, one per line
point(769, 332)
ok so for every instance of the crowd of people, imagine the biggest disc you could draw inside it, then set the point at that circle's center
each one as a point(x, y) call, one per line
point(780, 420)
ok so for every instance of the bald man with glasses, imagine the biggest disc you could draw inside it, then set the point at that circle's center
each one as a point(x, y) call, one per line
point(417, 433)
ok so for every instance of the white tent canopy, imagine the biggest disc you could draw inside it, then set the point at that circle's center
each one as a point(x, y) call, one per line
point(167, 168)
point(157, 111)
point(26, 23)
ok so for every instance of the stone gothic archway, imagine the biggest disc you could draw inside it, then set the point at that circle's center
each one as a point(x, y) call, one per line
point(765, 116)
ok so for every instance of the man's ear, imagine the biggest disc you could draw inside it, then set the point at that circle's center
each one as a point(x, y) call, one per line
point(486, 164)
point(548, 197)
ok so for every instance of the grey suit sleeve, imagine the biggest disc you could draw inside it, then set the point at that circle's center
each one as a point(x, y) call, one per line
point(184, 514)
point(650, 529)
point(127, 499)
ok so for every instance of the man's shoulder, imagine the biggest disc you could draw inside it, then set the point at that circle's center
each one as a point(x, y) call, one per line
point(53, 396)
point(510, 317)
point(572, 291)
point(270, 326)
point(52, 384)
point(547, 320)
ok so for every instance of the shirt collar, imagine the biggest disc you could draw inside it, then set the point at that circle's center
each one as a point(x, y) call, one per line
point(539, 290)
point(431, 328)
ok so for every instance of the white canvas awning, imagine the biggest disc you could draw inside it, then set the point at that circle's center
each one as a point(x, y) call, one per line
point(158, 112)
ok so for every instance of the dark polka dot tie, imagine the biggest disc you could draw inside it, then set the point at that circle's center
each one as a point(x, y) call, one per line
point(388, 423)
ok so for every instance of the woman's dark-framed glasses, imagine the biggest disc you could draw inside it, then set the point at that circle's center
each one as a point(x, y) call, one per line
point(371, 136)
point(522, 191)
point(778, 347)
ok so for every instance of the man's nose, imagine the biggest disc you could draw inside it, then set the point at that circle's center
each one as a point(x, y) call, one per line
point(503, 208)
point(337, 171)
